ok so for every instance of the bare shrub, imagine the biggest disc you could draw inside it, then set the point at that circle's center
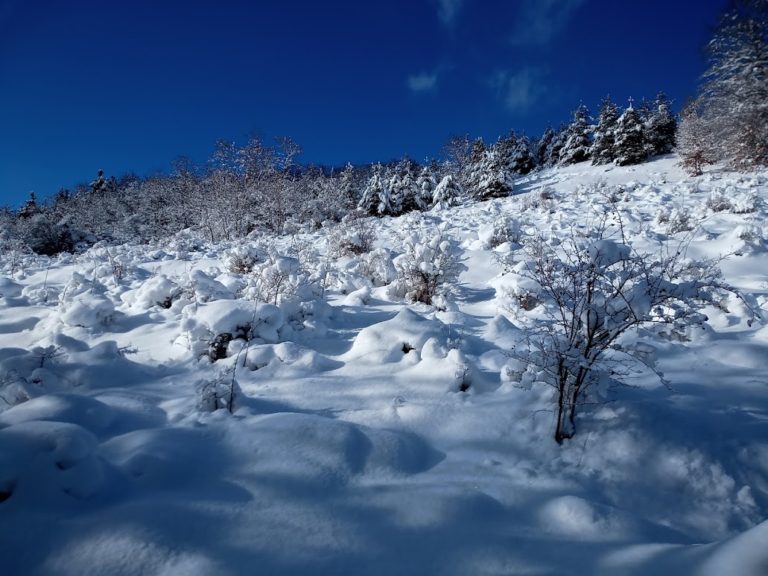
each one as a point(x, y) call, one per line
point(596, 289)
point(354, 236)
point(220, 393)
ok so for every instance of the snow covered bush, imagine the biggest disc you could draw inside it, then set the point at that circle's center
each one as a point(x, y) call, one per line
point(504, 230)
point(353, 236)
point(220, 393)
point(279, 279)
point(377, 267)
point(675, 220)
point(241, 259)
point(83, 303)
point(209, 328)
point(746, 202)
point(595, 289)
point(718, 202)
point(428, 268)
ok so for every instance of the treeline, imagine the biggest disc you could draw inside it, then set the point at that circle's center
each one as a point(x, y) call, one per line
point(258, 188)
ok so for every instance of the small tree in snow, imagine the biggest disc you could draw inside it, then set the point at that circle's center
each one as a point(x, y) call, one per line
point(695, 139)
point(595, 289)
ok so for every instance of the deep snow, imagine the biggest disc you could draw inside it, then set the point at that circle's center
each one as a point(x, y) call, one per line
point(351, 449)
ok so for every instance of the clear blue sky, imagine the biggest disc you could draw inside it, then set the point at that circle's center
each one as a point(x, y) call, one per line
point(131, 85)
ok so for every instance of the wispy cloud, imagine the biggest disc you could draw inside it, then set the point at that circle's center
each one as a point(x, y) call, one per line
point(448, 10)
point(519, 89)
point(539, 21)
point(423, 82)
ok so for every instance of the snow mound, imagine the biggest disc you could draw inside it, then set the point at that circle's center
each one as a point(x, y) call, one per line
point(745, 554)
point(330, 452)
point(70, 408)
point(83, 303)
point(41, 461)
point(391, 340)
point(207, 289)
point(576, 518)
point(157, 291)
point(236, 318)
point(288, 355)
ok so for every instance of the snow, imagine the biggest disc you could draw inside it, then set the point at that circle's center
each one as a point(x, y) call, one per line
point(372, 435)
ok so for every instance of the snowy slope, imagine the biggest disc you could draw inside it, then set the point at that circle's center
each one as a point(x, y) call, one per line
point(351, 449)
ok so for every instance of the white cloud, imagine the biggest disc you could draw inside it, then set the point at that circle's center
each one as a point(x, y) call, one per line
point(538, 21)
point(519, 89)
point(448, 10)
point(423, 82)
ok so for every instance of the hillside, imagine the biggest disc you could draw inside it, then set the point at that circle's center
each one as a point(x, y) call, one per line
point(370, 435)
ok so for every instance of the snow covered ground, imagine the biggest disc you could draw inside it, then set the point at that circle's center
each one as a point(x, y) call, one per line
point(352, 448)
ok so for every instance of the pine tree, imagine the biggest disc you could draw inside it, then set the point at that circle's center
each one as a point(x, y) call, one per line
point(490, 177)
point(542, 147)
point(447, 193)
point(603, 146)
point(578, 143)
point(403, 188)
point(556, 146)
point(99, 185)
point(629, 140)
point(515, 149)
point(472, 164)
point(660, 127)
point(388, 202)
point(347, 188)
point(30, 207)
point(425, 186)
point(369, 202)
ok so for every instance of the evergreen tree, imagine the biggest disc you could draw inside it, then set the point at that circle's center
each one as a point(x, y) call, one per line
point(388, 203)
point(30, 207)
point(578, 143)
point(603, 146)
point(472, 164)
point(374, 190)
point(556, 146)
point(490, 176)
point(99, 185)
point(447, 193)
point(543, 146)
point(629, 139)
point(403, 188)
point(425, 186)
point(515, 149)
point(347, 188)
point(660, 127)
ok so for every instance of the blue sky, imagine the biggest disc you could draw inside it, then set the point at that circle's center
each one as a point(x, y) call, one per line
point(131, 85)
